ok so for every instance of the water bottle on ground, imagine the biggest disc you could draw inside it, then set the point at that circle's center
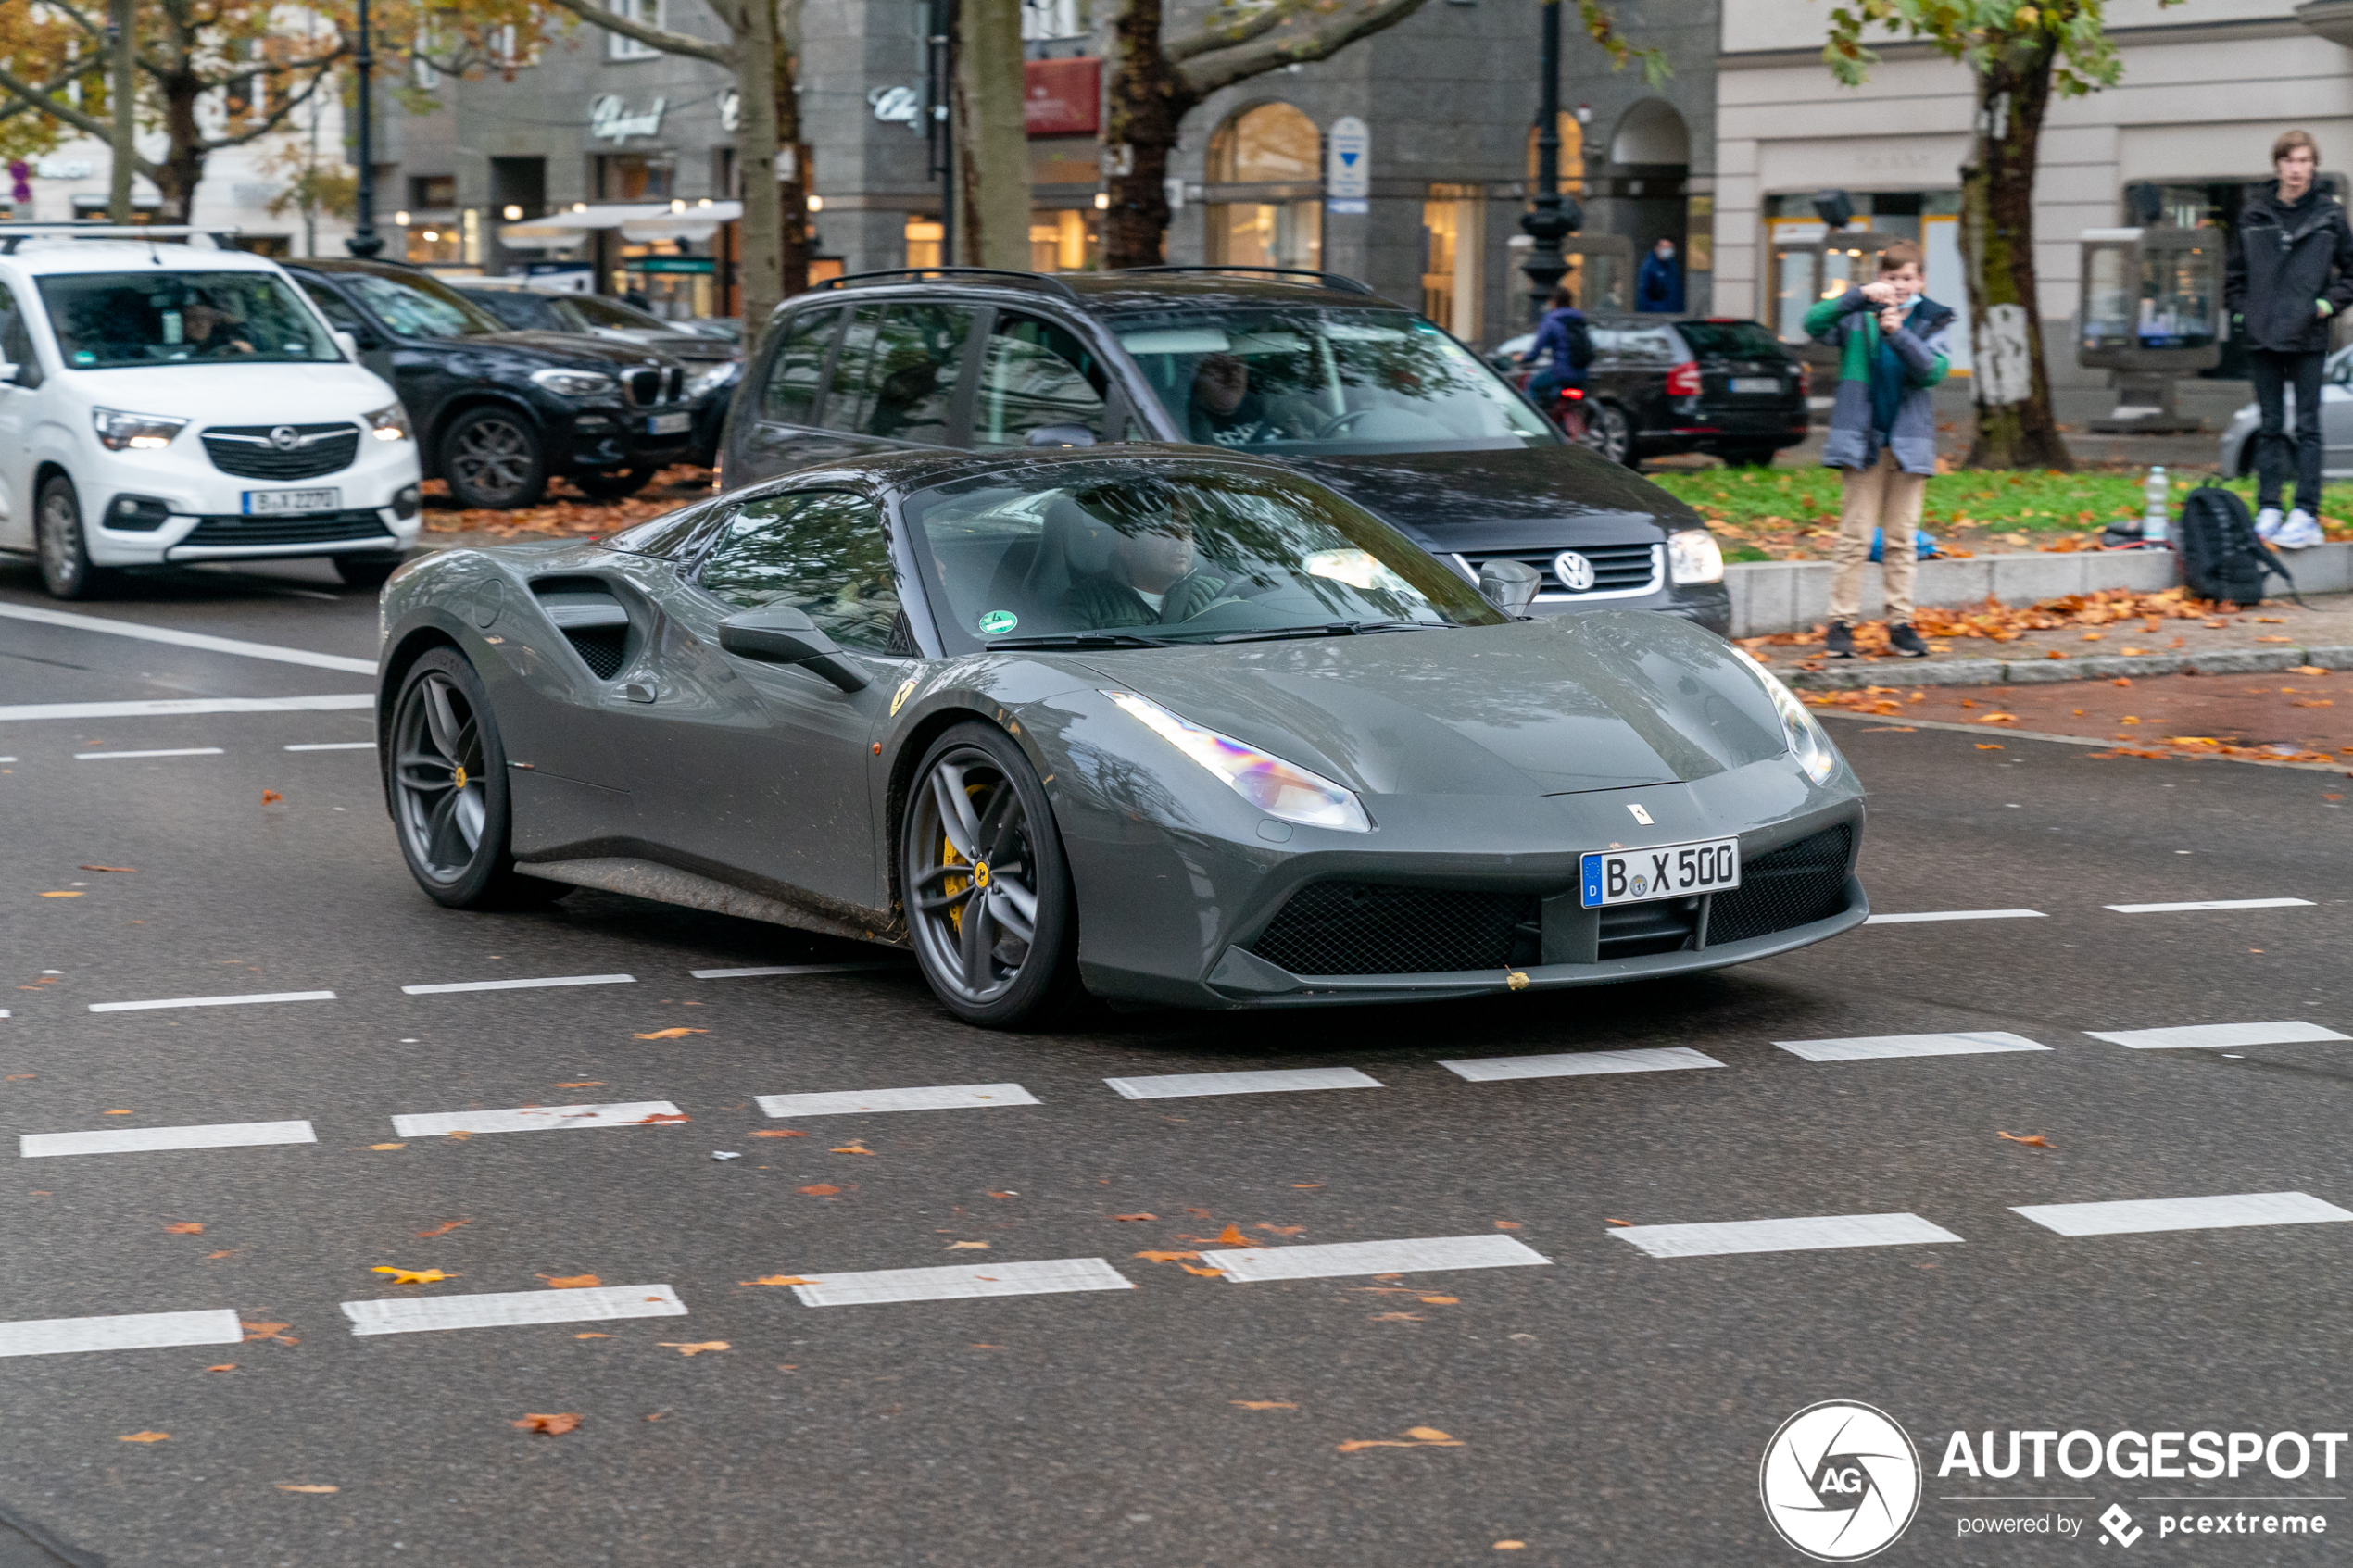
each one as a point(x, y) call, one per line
point(2155, 525)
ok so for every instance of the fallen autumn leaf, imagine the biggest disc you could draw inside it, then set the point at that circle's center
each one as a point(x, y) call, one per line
point(851, 1149)
point(671, 1033)
point(696, 1349)
point(144, 1438)
point(2034, 1140)
point(1133, 1217)
point(554, 1425)
point(968, 1246)
point(1166, 1257)
point(1264, 1404)
point(442, 1229)
point(411, 1276)
point(777, 1279)
point(572, 1281)
point(779, 1133)
point(185, 1227)
point(821, 1190)
point(292, 1487)
point(109, 867)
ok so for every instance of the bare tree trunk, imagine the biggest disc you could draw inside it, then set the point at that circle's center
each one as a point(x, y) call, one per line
point(760, 266)
point(183, 161)
point(993, 147)
point(1148, 101)
point(794, 174)
point(2010, 378)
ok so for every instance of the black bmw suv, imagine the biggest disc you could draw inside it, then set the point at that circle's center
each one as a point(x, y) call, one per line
point(1312, 369)
point(498, 413)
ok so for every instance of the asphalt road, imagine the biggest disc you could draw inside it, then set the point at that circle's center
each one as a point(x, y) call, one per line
point(1605, 1405)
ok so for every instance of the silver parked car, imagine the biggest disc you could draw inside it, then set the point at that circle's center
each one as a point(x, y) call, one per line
point(2336, 425)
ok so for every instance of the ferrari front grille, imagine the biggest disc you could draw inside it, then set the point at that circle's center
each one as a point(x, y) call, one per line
point(1365, 928)
point(1794, 885)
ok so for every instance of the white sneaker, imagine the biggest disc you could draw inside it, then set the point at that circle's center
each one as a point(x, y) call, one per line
point(2300, 532)
point(2267, 523)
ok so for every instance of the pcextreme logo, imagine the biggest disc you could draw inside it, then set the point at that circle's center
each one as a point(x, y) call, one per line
point(1840, 1481)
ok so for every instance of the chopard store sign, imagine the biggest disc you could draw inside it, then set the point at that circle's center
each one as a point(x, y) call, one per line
point(609, 120)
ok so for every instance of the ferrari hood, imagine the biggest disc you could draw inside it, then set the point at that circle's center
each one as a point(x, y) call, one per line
point(1550, 707)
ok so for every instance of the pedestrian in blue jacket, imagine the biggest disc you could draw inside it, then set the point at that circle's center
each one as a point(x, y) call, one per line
point(1659, 287)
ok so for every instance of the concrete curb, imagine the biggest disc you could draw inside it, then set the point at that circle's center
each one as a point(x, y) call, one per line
point(1850, 676)
point(1906, 722)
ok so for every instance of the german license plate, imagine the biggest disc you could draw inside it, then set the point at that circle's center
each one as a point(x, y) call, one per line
point(1756, 383)
point(669, 424)
point(1670, 870)
point(271, 503)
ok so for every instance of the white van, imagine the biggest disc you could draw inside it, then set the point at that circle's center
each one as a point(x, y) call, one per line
point(161, 402)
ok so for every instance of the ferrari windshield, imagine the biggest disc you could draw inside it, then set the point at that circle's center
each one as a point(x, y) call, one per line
point(1296, 380)
point(1077, 554)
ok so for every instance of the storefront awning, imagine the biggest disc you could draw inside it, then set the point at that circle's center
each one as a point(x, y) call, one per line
point(695, 223)
point(558, 230)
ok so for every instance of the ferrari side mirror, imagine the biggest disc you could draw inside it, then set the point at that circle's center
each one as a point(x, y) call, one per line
point(1509, 586)
point(781, 635)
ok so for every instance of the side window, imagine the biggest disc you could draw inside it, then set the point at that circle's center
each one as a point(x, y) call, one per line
point(790, 396)
point(16, 342)
point(1605, 342)
point(824, 554)
point(846, 399)
point(1647, 345)
point(1034, 374)
point(664, 535)
point(333, 307)
point(918, 354)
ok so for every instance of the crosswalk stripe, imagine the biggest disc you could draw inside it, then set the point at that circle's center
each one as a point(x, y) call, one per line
point(1870, 1047)
point(1044, 1277)
point(533, 1119)
point(252, 999)
point(1568, 1064)
point(513, 1309)
point(157, 708)
point(845, 1102)
point(2197, 1036)
point(336, 746)
point(180, 751)
point(1956, 914)
point(520, 985)
point(1173, 1085)
point(141, 1140)
point(2182, 1213)
point(2209, 904)
point(1809, 1234)
point(129, 1331)
point(793, 968)
point(1427, 1254)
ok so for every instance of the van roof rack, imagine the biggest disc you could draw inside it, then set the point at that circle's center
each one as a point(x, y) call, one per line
point(1339, 281)
point(1034, 280)
point(15, 234)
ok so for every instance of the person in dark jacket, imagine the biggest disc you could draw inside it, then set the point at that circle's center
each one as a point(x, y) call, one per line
point(1562, 350)
point(1659, 287)
point(2290, 269)
point(1156, 579)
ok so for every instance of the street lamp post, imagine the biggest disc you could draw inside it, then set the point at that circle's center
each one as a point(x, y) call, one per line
point(364, 241)
point(1554, 217)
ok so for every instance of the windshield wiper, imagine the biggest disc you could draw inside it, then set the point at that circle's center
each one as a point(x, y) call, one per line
point(1328, 629)
point(1077, 640)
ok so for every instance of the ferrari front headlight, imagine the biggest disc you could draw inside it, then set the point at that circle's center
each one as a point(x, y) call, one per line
point(1807, 740)
point(1279, 789)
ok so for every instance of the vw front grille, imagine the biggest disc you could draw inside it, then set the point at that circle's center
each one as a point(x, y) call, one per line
point(1619, 572)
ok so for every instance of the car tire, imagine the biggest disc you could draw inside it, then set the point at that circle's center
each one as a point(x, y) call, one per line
point(63, 547)
point(989, 962)
point(493, 457)
point(1609, 434)
point(367, 572)
point(612, 486)
point(446, 781)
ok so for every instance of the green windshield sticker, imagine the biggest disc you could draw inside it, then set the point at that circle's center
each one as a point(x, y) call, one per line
point(999, 621)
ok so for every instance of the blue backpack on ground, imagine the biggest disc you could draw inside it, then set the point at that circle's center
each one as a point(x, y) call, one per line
point(1922, 541)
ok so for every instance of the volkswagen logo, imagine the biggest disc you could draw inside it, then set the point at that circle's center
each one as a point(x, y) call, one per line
point(1840, 1481)
point(285, 438)
point(1574, 570)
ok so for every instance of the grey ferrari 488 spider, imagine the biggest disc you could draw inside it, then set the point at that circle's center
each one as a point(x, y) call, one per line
point(1171, 726)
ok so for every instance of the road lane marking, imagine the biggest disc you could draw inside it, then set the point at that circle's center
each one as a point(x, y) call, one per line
point(183, 751)
point(187, 639)
point(1816, 1233)
point(533, 1119)
point(256, 997)
point(2209, 904)
point(164, 707)
point(1956, 914)
point(522, 984)
point(1173, 1085)
point(141, 1140)
point(848, 1102)
point(129, 1330)
point(1417, 1255)
point(1872, 1047)
point(1661, 1058)
point(2182, 1213)
point(2197, 1036)
point(513, 1309)
point(336, 746)
point(793, 968)
point(1046, 1277)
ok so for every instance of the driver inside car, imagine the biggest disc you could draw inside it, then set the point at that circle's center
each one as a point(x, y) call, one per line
point(1226, 411)
point(1155, 579)
point(208, 331)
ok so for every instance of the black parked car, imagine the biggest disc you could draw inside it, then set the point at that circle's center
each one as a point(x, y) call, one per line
point(1310, 370)
point(713, 364)
point(1660, 385)
point(498, 413)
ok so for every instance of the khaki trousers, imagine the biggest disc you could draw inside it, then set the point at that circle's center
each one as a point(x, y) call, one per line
point(1884, 497)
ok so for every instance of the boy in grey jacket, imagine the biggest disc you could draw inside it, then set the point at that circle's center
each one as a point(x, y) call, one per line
point(1891, 342)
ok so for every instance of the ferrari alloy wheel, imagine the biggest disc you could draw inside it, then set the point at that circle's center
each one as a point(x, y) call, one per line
point(988, 895)
point(1608, 434)
point(493, 457)
point(448, 786)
